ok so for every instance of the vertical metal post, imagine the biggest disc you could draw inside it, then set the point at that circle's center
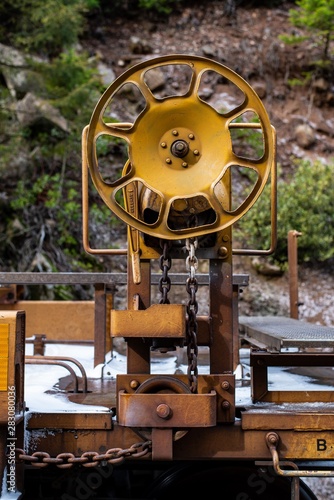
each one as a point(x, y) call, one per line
point(293, 272)
point(138, 350)
point(100, 324)
point(221, 296)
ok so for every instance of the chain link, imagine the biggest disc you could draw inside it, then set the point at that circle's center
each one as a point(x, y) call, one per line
point(165, 263)
point(192, 309)
point(113, 456)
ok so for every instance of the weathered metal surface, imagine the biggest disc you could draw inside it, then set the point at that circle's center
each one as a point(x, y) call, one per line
point(158, 320)
point(220, 442)
point(261, 361)
point(188, 416)
point(142, 410)
point(70, 420)
point(60, 320)
point(292, 416)
point(223, 386)
point(44, 278)
point(12, 338)
point(278, 332)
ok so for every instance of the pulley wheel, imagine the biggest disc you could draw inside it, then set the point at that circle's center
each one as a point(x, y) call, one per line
point(162, 384)
point(179, 148)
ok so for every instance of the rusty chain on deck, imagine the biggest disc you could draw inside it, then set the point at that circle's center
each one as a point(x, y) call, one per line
point(114, 456)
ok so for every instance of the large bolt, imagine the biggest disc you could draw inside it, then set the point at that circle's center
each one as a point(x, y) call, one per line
point(225, 385)
point(134, 384)
point(180, 149)
point(164, 411)
point(222, 251)
point(225, 405)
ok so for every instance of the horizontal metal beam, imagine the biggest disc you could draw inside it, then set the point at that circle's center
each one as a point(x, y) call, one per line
point(27, 278)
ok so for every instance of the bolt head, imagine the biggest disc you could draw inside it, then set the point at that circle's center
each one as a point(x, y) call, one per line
point(164, 411)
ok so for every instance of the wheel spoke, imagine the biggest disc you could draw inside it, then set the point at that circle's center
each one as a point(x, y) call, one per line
point(122, 130)
point(195, 80)
point(215, 203)
point(259, 166)
point(234, 113)
point(164, 211)
point(139, 80)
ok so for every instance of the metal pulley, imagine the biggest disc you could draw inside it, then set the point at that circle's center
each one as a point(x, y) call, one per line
point(179, 153)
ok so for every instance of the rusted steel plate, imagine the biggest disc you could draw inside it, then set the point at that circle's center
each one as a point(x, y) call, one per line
point(158, 320)
point(321, 419)
point(68, 420)
point(167, 410)
point(215, 443)
point(223, 385)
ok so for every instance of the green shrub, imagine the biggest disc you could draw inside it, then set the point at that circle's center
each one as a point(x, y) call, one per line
point(317, 18)
point(162, 6)
point(305, 204)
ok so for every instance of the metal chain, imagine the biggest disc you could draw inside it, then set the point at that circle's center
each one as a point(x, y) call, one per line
point(113, 456)
point(165, 263)
point(192, 309)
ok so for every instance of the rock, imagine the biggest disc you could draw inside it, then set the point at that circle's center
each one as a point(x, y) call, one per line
point(265, 268)
point(320, 85)
point(106, 73)
point(209, 50)
point(139, 46)
point(32, 109)
point(14, 70)
point(155, 79)
point(260, 88)
point(305, 136)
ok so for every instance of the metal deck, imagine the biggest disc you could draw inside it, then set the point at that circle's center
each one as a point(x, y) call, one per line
point(275, 333)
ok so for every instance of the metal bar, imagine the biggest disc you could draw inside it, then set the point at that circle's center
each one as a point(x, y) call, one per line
point(292, 359)
point(42, 361)
point(69, 342)
point(70, 360)
point(33, 278)
point(273, 217)
point(245, 125)
point(85, 208)
point(100, 316)
point(293, 272)
point(272, 440)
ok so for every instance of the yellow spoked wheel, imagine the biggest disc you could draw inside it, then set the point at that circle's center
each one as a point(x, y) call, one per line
point(179, 150)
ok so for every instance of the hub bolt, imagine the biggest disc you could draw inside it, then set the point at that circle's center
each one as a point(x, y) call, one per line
point(164, 411)
point(180, 149)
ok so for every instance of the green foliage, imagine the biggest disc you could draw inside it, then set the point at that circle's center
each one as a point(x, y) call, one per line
point(65, 73)
point(317, 17)
point(69, 81)
point(162, 6)
point(305, 204)
point(43, 26)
